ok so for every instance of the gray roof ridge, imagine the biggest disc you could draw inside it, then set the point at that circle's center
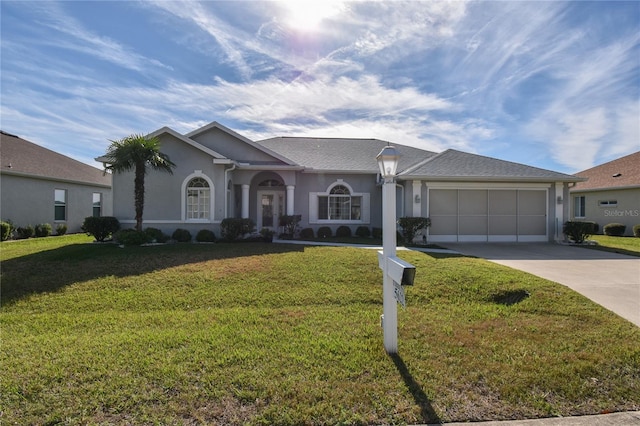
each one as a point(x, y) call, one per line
point(423, 162)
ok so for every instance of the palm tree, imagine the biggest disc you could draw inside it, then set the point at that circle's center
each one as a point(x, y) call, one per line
point(137, 152)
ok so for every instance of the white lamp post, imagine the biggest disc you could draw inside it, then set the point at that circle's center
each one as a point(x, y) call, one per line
point(388, 163)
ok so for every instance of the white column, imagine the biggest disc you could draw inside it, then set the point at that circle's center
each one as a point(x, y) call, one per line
point(290, 199)
point(417, 206)
point(559, 210)
point(389, 305)
point(245, 201)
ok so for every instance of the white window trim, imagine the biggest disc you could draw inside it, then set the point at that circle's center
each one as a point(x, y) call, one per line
point(183, 198)
point(575, 213)
point(66, 205)
point(365, 206)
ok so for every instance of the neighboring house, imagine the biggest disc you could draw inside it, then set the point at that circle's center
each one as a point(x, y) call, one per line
point(334, 182)
point(610, 195)
point(38, 186)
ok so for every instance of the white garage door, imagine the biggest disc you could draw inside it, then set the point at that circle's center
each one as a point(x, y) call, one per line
point(488, 215)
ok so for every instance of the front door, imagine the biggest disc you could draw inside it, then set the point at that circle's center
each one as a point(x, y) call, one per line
point(270, 205)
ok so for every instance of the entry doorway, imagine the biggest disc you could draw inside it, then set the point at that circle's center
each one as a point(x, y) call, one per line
point(270, 208)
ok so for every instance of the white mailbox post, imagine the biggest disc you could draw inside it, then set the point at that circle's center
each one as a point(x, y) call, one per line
point(395, 270)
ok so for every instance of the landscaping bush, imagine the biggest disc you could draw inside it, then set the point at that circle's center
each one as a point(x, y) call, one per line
point(343, 231)
point(43, 230)
point(307, 234)
point(205, 236)
point(636, 230)
point(131, 237)
point(289, 224)
point(232, 228)
point(181, 235)
point(578, 231)
point(324, 232)
point(25, 232)
point(6, 230)
point(156, 235)
point(61, 229)
point(363, 231)
point(376, 233)
point(101, 227)
point(614, 229)
point(411, 225)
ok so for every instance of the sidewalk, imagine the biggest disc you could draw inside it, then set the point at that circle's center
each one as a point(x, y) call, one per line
point(628, 418)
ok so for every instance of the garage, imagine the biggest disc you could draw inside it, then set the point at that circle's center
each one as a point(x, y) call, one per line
point(488, 214)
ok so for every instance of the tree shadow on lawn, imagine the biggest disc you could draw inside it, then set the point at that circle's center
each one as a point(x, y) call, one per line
point(52, 270)
point(427, 413)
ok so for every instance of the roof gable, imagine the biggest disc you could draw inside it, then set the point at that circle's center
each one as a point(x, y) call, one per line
point(186, 140)
point(622, 172)
point(341, 154)
point(24, 158)
point(455, 165)
point(216, 136)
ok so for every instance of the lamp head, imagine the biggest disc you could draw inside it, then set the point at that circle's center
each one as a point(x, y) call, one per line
point(388, 161)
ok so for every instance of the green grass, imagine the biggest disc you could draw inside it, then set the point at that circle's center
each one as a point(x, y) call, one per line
point(624, 245)
point(283, 334)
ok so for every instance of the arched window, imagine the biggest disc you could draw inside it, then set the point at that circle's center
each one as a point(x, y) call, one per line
point(339, 204)
point(198, 199)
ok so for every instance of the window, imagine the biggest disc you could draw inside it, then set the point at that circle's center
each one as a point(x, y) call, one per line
point(198, 199)
point(608, 203)
point(579, 206)
point(60, 204)
point(97, 204)
point(339, 205)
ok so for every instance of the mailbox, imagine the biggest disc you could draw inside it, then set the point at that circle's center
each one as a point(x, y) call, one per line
point(400, 271)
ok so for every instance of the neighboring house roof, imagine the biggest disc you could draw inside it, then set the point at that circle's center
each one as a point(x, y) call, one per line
point(23, 158)
point(458, 165)
point(621, 173)
point(343, 155)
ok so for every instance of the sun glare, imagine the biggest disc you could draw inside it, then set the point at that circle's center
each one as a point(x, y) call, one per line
point(306, 15)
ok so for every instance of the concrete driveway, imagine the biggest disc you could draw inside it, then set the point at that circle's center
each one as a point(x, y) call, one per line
point(609, 279)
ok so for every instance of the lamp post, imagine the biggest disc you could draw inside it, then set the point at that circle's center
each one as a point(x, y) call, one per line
point(388, 163)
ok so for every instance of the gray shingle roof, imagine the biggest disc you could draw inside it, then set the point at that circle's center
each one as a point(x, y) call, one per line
point(452, 164)
point(21, 157)
point(337, 154)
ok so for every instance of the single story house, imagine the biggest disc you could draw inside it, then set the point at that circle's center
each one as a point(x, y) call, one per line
point(610, 195)
point(335, 182)
point(38, 186)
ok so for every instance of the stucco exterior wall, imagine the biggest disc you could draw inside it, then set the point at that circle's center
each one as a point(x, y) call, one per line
point(30, 201)
point(625, 211)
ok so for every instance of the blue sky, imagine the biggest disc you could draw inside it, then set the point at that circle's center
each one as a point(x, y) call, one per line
point(550, 84)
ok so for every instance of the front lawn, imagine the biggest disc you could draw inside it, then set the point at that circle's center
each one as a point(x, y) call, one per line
point(624, 245)
point(284, 334)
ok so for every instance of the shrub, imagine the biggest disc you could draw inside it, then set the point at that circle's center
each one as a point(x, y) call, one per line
point(290, 224)
point(181, 235)
point(411, 225)
point(61, 229)
point(578, 231)
point(232, 228)
point(636, 230)
point(6, 230)
point(343, 231)
point(363, 231)
point(324, 232)
point(376, 233)
point(101, 227)
point(43, 230)
point(307, 234)
point(132, 237)
point(205, 236)
point(25, 232)
point(614, 229)
point(156, 235)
